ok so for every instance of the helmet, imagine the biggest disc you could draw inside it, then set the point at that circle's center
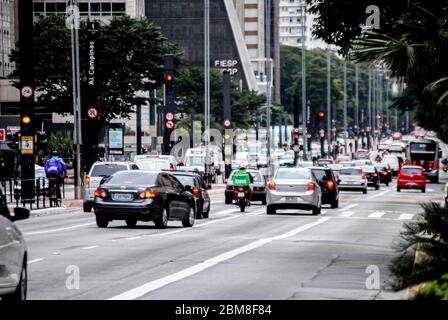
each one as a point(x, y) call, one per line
point(55, 153)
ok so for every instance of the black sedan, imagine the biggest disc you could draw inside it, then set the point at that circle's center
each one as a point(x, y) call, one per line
point(385, 173)
point(328, 184)
point(194, 183)
point(373, 176)
point(143, 196)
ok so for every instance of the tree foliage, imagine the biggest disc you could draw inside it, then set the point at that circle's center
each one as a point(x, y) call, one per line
point(189, 88)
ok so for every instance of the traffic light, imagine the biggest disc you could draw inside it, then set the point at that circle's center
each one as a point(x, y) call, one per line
point(296, 137)
point(321, 115)
point(169, 104)
point(378, 117)
point(384, 115)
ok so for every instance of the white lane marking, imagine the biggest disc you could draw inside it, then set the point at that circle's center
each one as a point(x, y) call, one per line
point(157, 284)
point(324, 211)
point(349, 207)
point(376, 214)
point(63, 207)
point(55, 253)
point(90, 247)
point(405, 216)
point(233, 210)
point(57, 230)
point(347, 214)
point(379, 194)
point(134, 238)
point(35, 260)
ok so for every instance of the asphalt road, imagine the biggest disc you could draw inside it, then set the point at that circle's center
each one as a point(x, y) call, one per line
point(292, 255)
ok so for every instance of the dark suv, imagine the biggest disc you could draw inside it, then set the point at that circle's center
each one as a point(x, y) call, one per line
point(328, 184)
point(373, 176)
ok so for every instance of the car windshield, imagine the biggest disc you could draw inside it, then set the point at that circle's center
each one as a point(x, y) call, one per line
point(306, 164)
point(195, 161)
point(411, 170)
point(391, 161)
point(350, 172)
point(153, 164)
point(107, 169)
point(132, 178)
point(347, 164)
point(185, 180)
point(368, 169)
point(292, 175)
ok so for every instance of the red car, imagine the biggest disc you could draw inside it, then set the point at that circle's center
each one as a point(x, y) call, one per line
point(411, 177)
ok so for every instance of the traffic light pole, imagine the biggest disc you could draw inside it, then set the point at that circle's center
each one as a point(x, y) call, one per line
point(27, 119)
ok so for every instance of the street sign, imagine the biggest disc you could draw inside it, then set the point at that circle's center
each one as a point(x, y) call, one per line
point(12, 129)
point(115, 144)
point(92, 113)
point(296, 148)
point(2, 135)
point(226, 123)
point(169, 116)
point(27, 145)
point(169, 124)
point(26, 92)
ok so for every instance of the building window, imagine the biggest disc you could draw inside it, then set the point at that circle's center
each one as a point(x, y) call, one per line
point(95, 9)
point(118, 8)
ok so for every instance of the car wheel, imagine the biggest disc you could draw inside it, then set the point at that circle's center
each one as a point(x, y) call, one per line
point(270, 210)
point(364, 191)
point(335, 204)
point(131, 223)
point(21, 290)
point(263, 202)
point(398, 189)
point(162, 222)
point(387, 184)
point(101, 222)
point(189, 222)
point(377, 187)
point(316, 211)
point(205, 214)
point(87, 207)
point(423, 190)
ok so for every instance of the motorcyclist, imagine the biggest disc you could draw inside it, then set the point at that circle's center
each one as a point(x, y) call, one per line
point(56, 170)
point(242, 178)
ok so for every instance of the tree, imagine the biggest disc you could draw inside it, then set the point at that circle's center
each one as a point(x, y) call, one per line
point(130, 60)
point(189, 89)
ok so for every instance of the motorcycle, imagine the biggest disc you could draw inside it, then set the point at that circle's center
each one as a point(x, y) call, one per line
point(242, 198)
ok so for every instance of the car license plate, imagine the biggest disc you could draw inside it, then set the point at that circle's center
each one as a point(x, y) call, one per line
point(122, 196)
point(291, 199)
point(241, 194)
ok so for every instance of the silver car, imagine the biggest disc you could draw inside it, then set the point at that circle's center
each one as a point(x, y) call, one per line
point(13, 254)
point(352, 178)
point(294, 188)
point(98, 171)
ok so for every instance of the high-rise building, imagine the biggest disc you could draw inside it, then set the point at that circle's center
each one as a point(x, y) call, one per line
point(7, 36)
point(292, 22)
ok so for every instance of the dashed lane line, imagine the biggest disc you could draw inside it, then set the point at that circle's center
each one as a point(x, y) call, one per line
point(35, 260)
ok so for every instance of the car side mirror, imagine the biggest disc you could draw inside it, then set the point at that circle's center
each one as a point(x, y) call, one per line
point(20, 214)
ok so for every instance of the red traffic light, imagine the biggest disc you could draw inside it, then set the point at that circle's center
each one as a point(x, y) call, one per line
point(169, 77)
point(321, 114)
point(385, 115)
point(296, 136)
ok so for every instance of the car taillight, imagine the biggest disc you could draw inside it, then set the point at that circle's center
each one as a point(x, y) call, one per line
point(363, 175)
point(375, 174)
point(311, 186)
point(100, 193)
point(435, 165)
point(86, 179)
point(272, 186)
point(241, 189)
point(388, 171)
point(330, 185)
point(385, 173)
point(147, 194)
point(196, 192)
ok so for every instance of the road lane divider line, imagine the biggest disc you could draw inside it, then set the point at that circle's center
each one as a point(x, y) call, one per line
point(35, 260)
point(162, 282)
point(57, 230)
point(379, 194)
point(405, 216)
point(89, 247)
point(350, 206)
point(376, 214)
point(347, 214)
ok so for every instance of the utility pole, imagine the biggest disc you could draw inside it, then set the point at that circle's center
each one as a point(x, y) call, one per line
point(268, 66)
point(207, 87)
point(138, 134)
point(356, 102)
point(345, 107)
point(329, 97)
point(73, 13)
point(304, 106)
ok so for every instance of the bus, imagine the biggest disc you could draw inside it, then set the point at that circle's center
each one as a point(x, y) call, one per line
point(425, 153)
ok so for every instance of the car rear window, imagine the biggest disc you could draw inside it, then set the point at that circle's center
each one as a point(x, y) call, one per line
point(411, 171)
point(350, 172)
point(368, 169)
point(107, 169)
point(322, 174)
point(133, 178)
point(185, 180)
point(292, 175)
point(153, 164)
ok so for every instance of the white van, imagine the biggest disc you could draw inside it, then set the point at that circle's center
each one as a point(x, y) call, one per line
point(195, 158)
point(155, 162)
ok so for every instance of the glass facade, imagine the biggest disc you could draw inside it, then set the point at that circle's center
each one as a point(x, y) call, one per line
point(105, 8)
